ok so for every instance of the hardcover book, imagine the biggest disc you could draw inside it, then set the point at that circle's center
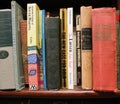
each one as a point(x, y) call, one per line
point(86, 46)
point(18, 13)
point(63, 47)
point(104, 49)
point(23, 33)
point(52, 30)
point(7, 76)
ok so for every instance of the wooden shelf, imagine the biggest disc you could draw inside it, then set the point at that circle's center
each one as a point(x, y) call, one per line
point(76, 93)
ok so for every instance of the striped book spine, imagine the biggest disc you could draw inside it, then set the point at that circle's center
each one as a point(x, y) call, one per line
point(33, 46)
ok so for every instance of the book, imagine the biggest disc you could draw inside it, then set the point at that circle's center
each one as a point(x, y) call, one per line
point(33, 45)
point(17, 13)
point(52, 34)
point(86, 46)
point(7, 77)
point(44, 49)
point(78, 49)
point(63, 47)
point(23, 37)
point(70, 46)
point(40, 50)
point(118, 47)
point(104, 49)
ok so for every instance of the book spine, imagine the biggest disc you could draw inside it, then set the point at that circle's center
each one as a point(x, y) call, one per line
point(33, 45)
point(70, 47)
point(18, 66)
point(104, 49)
point(63, 44)
point(53, 52)
point(44, 49)
point(40, 49)
point(86, 46)
point(78, 49)
point(118, 47)
point(23, 34)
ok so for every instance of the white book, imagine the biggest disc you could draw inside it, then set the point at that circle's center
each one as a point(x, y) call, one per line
point(70, 46)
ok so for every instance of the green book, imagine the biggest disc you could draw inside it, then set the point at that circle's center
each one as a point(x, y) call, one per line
point(18, 13)
point(52, 34)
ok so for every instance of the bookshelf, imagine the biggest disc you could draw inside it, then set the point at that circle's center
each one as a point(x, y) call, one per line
point(77, 95)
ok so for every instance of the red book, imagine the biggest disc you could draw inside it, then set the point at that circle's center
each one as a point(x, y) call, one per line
point(104, 49)
point(34, 76)
point(23, 34)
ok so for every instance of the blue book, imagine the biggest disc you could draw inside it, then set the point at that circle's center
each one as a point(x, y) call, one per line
point(43, 48)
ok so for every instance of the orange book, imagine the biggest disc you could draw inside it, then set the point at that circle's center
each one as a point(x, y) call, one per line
point(104, 49)
point(23, 34)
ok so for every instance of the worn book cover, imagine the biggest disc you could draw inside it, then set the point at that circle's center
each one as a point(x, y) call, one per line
point(86, 46)
point(23, 36)
point(18, 13)
point(52, 29)
point(104, 49)
point(63, 47)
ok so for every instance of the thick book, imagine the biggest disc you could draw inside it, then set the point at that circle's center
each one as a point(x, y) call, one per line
point(63, 47)
point(104, 49)
point(18, 13)
point(70, 46)
point(23, 36)
point(7, 77)
point(86, 46)
point(52, 30)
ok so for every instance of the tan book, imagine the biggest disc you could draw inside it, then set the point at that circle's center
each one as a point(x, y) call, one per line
point(86, 46)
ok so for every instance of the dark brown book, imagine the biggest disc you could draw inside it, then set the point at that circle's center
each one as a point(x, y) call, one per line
point(23, 33)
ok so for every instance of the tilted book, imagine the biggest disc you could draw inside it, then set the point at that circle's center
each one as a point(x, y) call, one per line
point(18, 13)
point(23, 34)
point(104, 49)
point(86, 46)
point(7, 76)
point(63, 47)
point(52, 30)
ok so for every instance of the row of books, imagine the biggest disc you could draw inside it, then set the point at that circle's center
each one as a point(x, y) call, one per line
point(46, 52)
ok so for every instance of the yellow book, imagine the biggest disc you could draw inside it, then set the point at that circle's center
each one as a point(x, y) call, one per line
point(64, 64)
point(32, 24)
